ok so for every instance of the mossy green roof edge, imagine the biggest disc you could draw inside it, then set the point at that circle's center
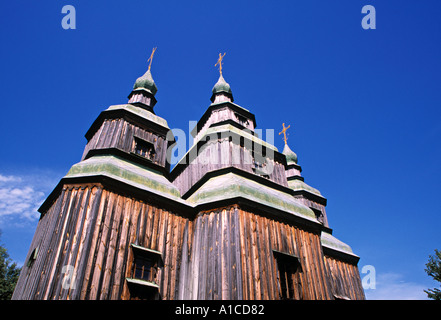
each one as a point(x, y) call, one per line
point(298, 185)
point(231, 185)
point(127, 172)
point(140, 112)
point(332, 242)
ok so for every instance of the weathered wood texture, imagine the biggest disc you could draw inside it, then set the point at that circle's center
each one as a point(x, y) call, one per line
point(314, 205)
point(212, 258)
point(223, 153)
point(293, 171)
point(120, 134)
point(345, 279)
point(91, 230)
point(223, 114)
point(141, 97)
point(226, 253)
point(261, 235)
point(232, 258)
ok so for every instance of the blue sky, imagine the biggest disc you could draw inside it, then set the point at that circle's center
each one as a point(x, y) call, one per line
point(363, 105)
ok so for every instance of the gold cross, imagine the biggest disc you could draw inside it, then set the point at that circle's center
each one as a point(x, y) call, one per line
point(284, 132)
point(219, 62)
point(151, 57)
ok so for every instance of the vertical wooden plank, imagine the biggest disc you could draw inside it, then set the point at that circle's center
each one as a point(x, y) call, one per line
point(35, 281)
point(196, 257)
point(249, 252)
point(182, 278)
point(266, 256)
point(95, 228)
point(177, 255)
point(101, 248)
point(216, 278)
point(155, 228)
point(255, 258)
point(54, 241)
point(161, 247)
point(271, 270)
point(128, 253)
point(86, 236)
point(168, 258)
point(260, 259)
point(202, 279)
point(112, 243)
point(123, 246)
point(325, 279)
point(77, 233)
point(210, 256)
point(67, 243)
point(237, 240)
point(60, 241)
point(233, 262)
point(225, 256)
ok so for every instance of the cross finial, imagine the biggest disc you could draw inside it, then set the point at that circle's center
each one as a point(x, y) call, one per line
point(219, 62)
point(284, 132)
point(151, 57)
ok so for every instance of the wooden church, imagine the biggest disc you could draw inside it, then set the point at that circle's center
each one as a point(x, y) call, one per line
point(234, 219)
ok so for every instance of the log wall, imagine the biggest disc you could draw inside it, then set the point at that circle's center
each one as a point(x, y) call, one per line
point(223, 153)
point(119, 133)
point(91, 230)
point(232, 258)
point(344, 278)
point(314, 205)
point(224, 253)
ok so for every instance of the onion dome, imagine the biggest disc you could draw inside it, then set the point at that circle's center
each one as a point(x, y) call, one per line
point(146, 82)
point(221, 88)
point(291, 157)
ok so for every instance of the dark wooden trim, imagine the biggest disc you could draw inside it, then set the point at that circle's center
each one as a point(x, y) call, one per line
point(234, 124)
point(295, 178)
point(130, 156)
point(239, 172)
point(310, 196)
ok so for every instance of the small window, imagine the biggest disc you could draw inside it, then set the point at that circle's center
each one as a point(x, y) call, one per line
point(288, 267)
point(143, 282)
point(259, 168)
point(319, 215)
point(144, 268)
point(32, 257)
point(144, 149)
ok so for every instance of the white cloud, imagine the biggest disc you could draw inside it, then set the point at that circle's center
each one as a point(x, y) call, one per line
point(9, 178)
point(392, 286)
point(21, 196)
